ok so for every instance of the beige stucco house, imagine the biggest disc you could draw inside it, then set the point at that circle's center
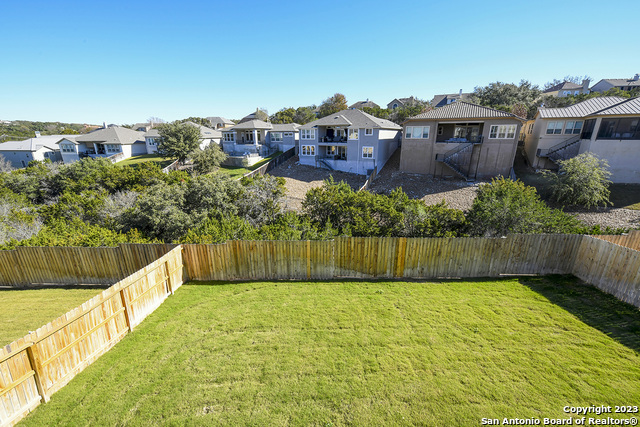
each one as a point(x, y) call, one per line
point(606, 126)
point(461, 138)
point(564, 89)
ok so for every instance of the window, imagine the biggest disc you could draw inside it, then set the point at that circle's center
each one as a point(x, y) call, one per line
point(554, 128)
point(530, 130)
point(566, 92)
point(308, 150)
point(112, 148)
point(573, 127)
point(367, 152)
point(619, 129)
point(288, 134)
point(152, 141)
point(67, 148)
point(577, 92)
point(276, 136)
point(440, 130)
point(587, 130)
point(229, 137)
point(353, 133)
point(307, 134)
point(502, 131)
point(368, 132)
point(394, 106)
point(415, 132)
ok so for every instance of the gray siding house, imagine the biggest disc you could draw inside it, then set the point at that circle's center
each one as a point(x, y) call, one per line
point(20, 153)
point(115, 143)
point(622, 84)
point(348, 141)
point(259, 137)
point(462, 139)
point(607, 126)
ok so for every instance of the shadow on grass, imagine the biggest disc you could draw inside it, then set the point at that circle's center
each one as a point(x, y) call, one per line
point(616, 319)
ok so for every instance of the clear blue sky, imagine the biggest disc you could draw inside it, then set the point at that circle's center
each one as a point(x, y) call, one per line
point(122, 62)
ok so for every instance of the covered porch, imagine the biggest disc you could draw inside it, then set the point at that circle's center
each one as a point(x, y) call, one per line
point(335, 133)
point(459, 132)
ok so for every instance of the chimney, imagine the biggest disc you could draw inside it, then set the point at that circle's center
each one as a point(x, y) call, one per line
point(104, 125)
point(585, 84)
point(37, 134)
point(460, 93)
point(636, 77)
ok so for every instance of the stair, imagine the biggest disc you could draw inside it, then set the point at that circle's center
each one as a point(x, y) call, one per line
point(459, 159)
point(562, 151)
point(326, 164)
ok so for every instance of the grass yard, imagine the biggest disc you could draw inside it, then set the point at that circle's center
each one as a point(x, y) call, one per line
point(237, 172)
point(22, 311)
point(364, 353)
point(131, 161)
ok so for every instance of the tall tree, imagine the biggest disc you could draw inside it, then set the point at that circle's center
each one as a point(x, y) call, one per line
point(286, 115)
point(411, 108)
point(305, 114)
point(508, 96)
point(177, 140)
point(198, 120)
point(571, 79)
point(331, 105)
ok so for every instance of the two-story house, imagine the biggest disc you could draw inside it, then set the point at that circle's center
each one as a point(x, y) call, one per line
point(464, 139)
point(564, 89)
point(622, 84)
point(349, 141)
point(606, 126)
point(259, 137)
point(115, 143)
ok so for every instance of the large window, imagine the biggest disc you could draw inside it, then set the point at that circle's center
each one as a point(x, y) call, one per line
point(573, 127)
point(229, 137)
point(112, 148)
point(415, 132)
point(587, 130)
point(152, 141)
point(619, 129)
point(67, 148)
point(367, 152)
point(554, 128)
point(276, 136)
point(353, 133)
point(307, 134)
point(308, 150)
point(502, 132)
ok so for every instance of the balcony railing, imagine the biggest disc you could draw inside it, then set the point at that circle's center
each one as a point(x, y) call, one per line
point(474, 140)
point(333, 139)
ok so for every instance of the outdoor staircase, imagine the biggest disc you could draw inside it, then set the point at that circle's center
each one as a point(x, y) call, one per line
point(325, 164)
point(459, 159)
point(562, 151)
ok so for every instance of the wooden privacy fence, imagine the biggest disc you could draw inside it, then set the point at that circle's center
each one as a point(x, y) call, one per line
point(26, 266)
point(631, 240)
point(34, 367)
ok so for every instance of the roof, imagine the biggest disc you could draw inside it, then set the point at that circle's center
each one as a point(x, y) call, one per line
point(621, 82)
point(363, 104)
point(112, 135)
point(563, 86)
point(250, 124)
point(464, 110)
point(217, 119)
point(285, 127)
point(34, 144)
point(401, 100)
point(437, 100)
point(628, 106)
point(205, 132)
point(353, 118)
point(581, 109)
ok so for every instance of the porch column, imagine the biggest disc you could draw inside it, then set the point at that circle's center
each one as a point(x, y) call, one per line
point(255, 137)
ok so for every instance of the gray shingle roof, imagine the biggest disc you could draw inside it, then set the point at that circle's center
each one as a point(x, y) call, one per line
point(206, 132)
point(362, 104)
point(285, 127)
point(113, 135)
point(354, 118)
point(563, 86)
point(463, 110)
point(250, 124)
point(441, 100)
point(581, 109)
point(622, 82)
point(217, 119)
point(629, 106)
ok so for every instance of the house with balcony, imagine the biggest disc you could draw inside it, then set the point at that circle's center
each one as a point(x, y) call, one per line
point(207, 136)
point(460, 139)
point(348, 141)
point(607, 126)
point(20, 153)
point(115, 143)
point(257, 138)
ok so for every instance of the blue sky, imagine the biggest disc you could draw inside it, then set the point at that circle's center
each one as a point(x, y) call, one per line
point(123, 62)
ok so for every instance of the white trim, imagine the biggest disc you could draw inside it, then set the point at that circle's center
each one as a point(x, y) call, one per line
point(276, 136)
point(363, 152)
point(368, 132)
point(504, 130)
point(308, 150)
point(355, 132)
point(308, 134)
point(409, 134)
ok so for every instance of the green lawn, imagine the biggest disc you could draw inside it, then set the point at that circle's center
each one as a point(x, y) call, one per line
point(237, 172)
point(362, 353)
point(22, 311)
point(147, 158)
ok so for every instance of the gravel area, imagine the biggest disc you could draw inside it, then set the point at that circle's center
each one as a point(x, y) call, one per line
point(458, 193)
point(301, 178)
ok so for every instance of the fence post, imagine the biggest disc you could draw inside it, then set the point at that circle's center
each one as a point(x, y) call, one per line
point(400, 256)
point(127, 309)
point(308, 259)
point(168, 272)
point(34, 360)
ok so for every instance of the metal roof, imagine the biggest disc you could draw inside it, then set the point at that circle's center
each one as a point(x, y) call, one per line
point(464, 110)
point(629, 106)
point(581, 109)
point(353, 118)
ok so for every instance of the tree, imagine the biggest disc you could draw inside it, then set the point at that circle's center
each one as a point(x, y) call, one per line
point(198, 120)
point(207, 160)
point(381, 113)
point(509, 207)
point(155, 120)
point(305, 114)
point(261, 199)
point(286, 115)
point(262, 114)
point(508, 96)
point(582, 180)
point(411, 108)
point(331, 105)
point(178, 140)
point(5, 165)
